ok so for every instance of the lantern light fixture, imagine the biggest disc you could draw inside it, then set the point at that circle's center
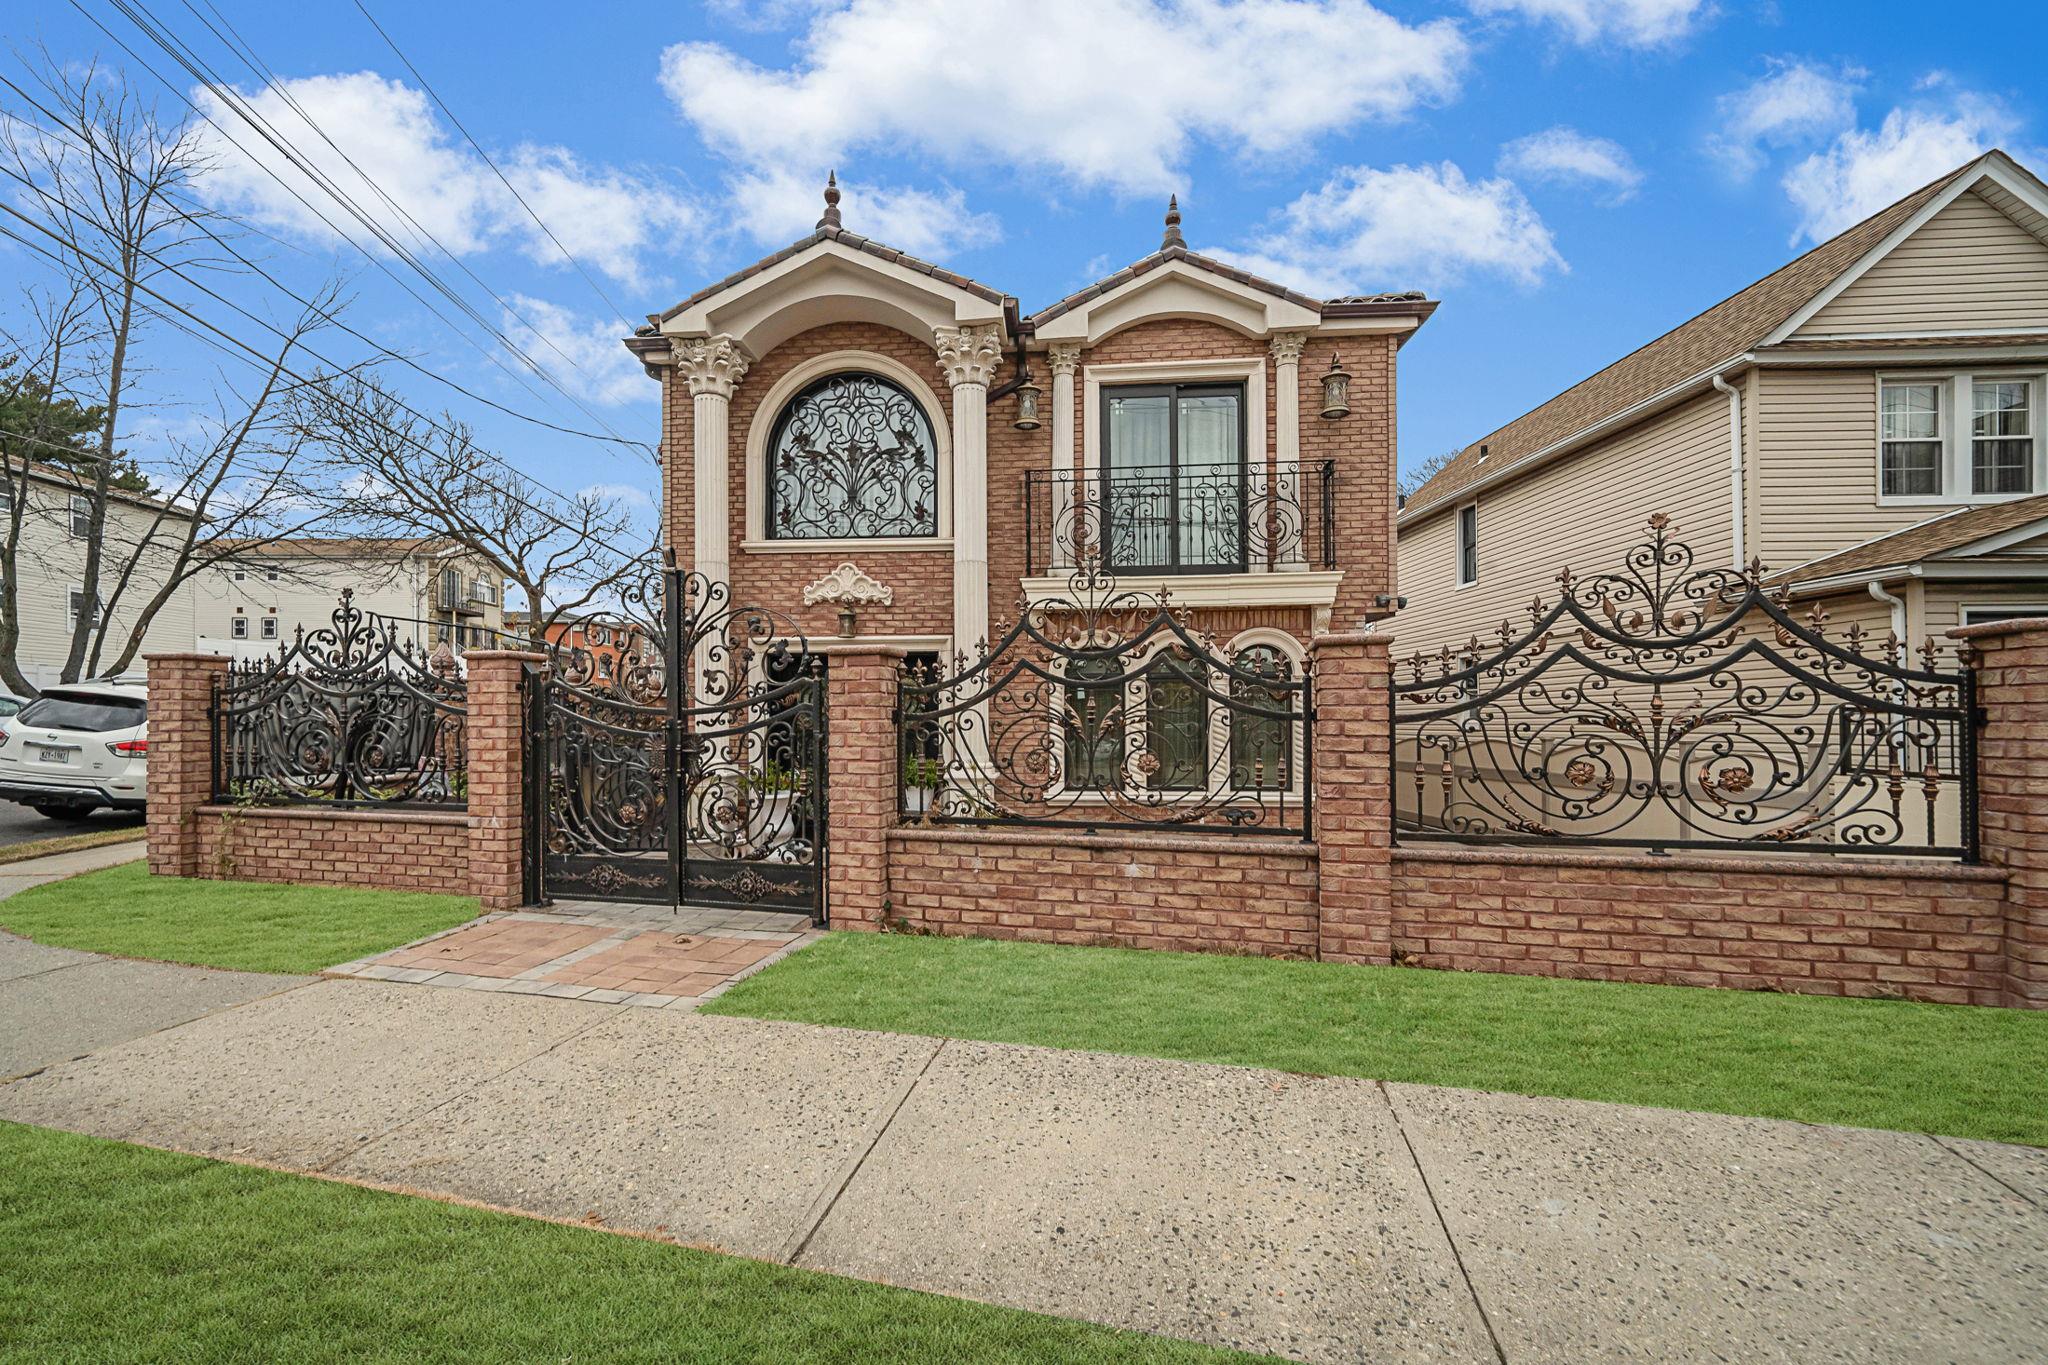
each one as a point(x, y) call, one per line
point(1336, 390)
point(847, 620)
point(1027, 404)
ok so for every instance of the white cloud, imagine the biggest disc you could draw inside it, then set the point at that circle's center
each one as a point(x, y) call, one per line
point(582, 352)
point(629, 495)
point(1098, 92)
point(1411, 225)
point(391, 132)
point(1632, 23)
point(1864, 170)
point(1567, 156)
point(781, 204)
point(1795, 102)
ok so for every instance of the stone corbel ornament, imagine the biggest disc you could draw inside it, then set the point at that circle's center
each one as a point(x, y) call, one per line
point(1063, 357)
point(710, 364)
point(969, 355)
point(851, 586)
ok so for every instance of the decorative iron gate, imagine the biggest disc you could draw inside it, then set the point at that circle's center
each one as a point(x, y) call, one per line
point(680, 749)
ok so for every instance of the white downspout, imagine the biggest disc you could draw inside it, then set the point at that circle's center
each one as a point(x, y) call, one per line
point(1898, 606)
point(1734, 466)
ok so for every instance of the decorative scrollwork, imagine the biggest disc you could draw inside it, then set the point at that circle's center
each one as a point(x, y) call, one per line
point(1101, 708)
point(852, 456)
point(348, 715)
point(1665, 706)
point(1193, 519)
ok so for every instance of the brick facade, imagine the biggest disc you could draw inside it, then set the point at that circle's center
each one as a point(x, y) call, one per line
point(497, 773)
point(861, 780)
point(180, 756)
point(1354, 796)
point(396, 851)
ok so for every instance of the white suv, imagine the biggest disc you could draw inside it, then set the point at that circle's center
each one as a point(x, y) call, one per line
point(76, 748)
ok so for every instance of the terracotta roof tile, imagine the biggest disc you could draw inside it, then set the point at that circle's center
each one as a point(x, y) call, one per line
point(1158, 258)
point(1723, 332)
point(853, 241)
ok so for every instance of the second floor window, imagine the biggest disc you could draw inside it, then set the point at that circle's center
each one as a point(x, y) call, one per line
point(81, 516)
point(1959, 437)
point(1174, 476)
point(83, 606)
point(270, 627)
point(2002, 437)
point(852, 457)
point(1468, 544)
point(451, 589)
point(239, 628)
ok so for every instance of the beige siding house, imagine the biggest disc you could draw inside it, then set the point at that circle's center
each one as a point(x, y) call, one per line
point(429, 590)
point(1867, 421)
point(50, 559)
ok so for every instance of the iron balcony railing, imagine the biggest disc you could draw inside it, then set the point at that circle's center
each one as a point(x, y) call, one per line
point(1229, 518)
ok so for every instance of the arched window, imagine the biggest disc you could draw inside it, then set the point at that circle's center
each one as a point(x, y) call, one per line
point(1094, 724)
point(1176, 724)
point(852, 456)
point(1262, 747)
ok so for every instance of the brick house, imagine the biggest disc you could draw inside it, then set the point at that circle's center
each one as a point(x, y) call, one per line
point(840, 403)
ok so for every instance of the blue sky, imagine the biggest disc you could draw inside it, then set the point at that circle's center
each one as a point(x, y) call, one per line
point(1570, 177)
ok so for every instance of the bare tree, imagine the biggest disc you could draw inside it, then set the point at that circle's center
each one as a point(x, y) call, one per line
point(104, 187)
point(387, 470)
point(1409, 483)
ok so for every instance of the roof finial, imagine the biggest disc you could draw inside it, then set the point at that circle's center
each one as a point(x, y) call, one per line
point(831, 218)
point(1173, 237)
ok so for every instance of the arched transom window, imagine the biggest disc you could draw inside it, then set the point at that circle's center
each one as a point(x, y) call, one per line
point(852, 457)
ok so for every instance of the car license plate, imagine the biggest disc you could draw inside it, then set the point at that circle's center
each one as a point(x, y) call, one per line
point(57, 755)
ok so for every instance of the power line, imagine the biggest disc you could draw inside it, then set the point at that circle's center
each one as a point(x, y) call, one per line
point(284, 289)
point(267, 362)
point(285, 149)
point(443, 105)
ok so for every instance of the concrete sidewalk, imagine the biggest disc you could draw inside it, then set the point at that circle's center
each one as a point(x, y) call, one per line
point(57, 1003)
point(1326, 1219)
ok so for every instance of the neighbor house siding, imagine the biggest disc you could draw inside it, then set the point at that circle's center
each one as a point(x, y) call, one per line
point(1970, 268)
point(1816, 467)
point(1583, 513)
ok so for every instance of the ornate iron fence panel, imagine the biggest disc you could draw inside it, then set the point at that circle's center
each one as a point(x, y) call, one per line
point(1104, 709)
point(1667, 707)
point(681, 744)
point(348, 716)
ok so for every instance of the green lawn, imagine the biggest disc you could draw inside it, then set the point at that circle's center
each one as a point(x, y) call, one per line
point(1952, 1069)
point(249, 926)
point(119, 1253)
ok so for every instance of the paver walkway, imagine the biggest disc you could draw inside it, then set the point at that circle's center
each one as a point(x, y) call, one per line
point(1326, 1219)
point(611, 954)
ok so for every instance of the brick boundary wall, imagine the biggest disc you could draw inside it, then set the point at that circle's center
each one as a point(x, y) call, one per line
point(2012, 785)
point(1921, 929)
point(1234, 894)
point(390, 850)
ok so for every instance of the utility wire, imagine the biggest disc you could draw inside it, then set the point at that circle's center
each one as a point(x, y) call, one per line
point(433, 94)
point(329, 317)
point(245, 351)
point(297, 161)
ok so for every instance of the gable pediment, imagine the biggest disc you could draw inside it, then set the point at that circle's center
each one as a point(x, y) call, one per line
point(1179, 289)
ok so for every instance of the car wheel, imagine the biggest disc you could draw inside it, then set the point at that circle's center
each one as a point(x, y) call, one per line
point(65, 813)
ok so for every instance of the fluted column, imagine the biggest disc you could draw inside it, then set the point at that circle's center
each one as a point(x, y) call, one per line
point(712, 367)
point(1282, 509)
point(1068, 529)
point(968, 356)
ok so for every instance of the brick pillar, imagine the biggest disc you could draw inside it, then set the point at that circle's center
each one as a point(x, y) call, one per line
point(497, 775)
point(180, 756)
point(862, 780)
point(2012, 782)
point(1354, 792)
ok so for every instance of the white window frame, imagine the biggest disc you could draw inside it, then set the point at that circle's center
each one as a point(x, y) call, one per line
point(81, 506)
point(269, 631)
point(1458, 544)
point(71, 609)
point(2007, 610)
point(1958, 440)
point(238, 628)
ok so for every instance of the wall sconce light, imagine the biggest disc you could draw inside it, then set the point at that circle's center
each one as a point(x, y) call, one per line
point(1336, 391)
point(846, 620)
point(1027, 405)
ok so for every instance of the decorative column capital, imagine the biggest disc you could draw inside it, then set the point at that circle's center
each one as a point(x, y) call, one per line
point(710, 364)
point(1063, 356)
point(1286, 347)
point(969, 355)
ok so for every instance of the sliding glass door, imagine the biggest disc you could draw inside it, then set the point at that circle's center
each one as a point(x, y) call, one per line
point(1174, 478)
